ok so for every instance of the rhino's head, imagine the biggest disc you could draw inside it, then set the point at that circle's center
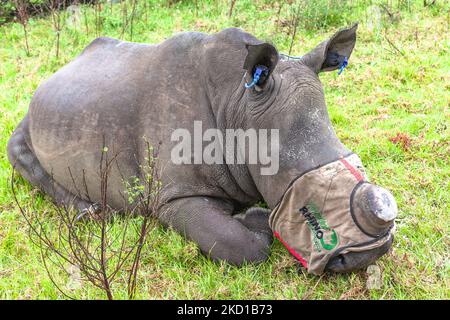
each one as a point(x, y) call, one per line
point(324, 209)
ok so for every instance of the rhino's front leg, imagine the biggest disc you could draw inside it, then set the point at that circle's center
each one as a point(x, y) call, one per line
point(209, 222)
point(257, 220)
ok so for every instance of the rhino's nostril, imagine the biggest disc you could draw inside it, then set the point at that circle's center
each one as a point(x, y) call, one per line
point(341, 260)
point(357, 260)
point(336, 264)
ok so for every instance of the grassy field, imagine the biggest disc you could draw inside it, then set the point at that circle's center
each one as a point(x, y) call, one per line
point(391, 106)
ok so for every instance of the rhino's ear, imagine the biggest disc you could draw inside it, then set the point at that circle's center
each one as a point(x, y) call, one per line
point(263, 54)
point(330, 54)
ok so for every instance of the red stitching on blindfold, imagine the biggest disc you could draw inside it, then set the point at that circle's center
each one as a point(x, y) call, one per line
point(292, 251)
point(352, 169)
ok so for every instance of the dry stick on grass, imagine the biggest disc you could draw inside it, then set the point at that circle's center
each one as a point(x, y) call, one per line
point(86, 22)
point(128, 20)
point(294, 25)
point(389, 13)
point(133, 12)
point(98, 19)
point(393, 45)
point(230, 12)
point(196, 9)
point(90, 244)
point(22, 12)
point(277, 25)
point(124, 18)
point(55, 6)
point(431, 3)
point(311, 290)
point(146, 12)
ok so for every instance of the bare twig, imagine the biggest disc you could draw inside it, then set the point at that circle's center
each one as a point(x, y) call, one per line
point(294, 25)
point(92, 246)
point(55, 6)
point(133, 13)
point(22, 12)
point(230, 12)
point(393, 45)
point(427, 4)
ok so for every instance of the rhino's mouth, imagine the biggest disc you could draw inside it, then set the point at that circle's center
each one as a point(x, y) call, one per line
point(353, 261)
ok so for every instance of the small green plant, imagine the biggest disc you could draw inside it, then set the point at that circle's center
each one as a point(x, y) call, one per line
point(100, 244)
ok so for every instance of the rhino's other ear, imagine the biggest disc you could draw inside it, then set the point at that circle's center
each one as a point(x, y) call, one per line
point(263, 54)
point(330, 54)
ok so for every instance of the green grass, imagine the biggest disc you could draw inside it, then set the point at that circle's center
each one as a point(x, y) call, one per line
point(381, 93)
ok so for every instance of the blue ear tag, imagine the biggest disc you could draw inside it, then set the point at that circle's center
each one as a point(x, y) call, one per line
point(343, 65)
point(259, 70)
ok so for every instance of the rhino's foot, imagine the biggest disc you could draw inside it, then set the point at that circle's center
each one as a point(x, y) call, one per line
point(209, 222)
point(24, 161)
point(257, 220)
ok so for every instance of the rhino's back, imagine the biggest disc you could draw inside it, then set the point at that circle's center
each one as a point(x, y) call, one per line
point(114, 93)
point(110, 87)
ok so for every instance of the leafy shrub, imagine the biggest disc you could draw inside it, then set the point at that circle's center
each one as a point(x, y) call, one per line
point(8, 10)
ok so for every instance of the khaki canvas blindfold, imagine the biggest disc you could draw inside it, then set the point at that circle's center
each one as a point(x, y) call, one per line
point(313, 219)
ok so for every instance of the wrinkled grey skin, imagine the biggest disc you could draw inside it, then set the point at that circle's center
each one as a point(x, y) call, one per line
point(120, 92)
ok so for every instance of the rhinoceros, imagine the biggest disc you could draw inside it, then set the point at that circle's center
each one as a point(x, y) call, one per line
point(320, 204)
